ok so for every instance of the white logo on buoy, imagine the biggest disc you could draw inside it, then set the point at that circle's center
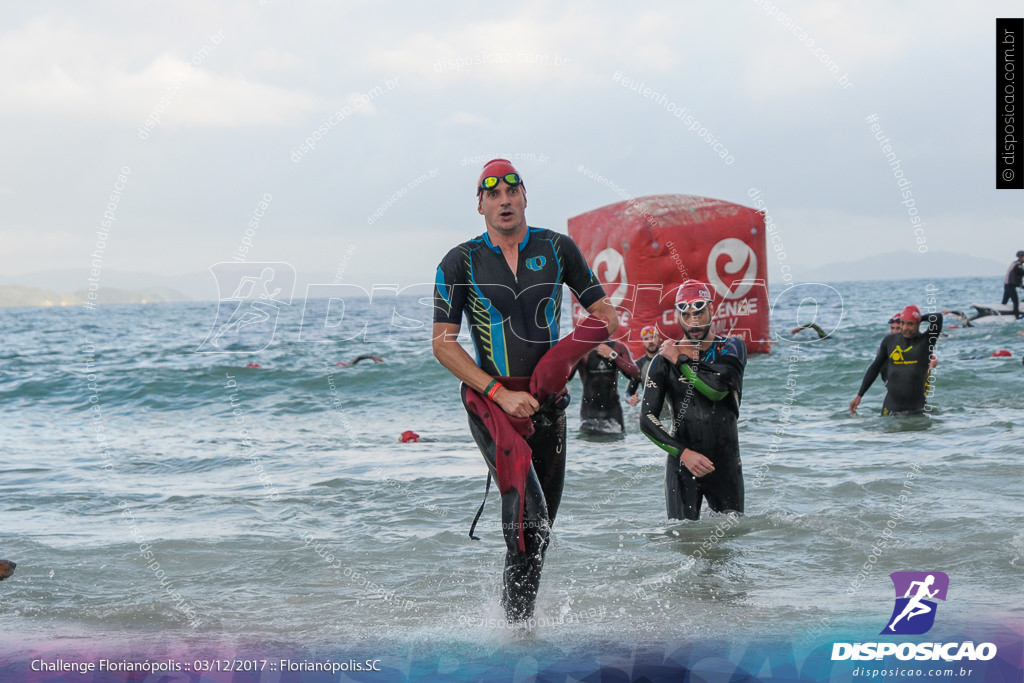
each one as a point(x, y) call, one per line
point(739, 253)
point(615, 270)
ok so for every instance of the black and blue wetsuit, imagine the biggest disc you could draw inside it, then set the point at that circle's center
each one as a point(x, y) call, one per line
point(705, 397)
point(904, 365)
point(514, 320)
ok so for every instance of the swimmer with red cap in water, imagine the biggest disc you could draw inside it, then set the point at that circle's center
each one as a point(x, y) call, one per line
point(701, 376)
point(905, 357)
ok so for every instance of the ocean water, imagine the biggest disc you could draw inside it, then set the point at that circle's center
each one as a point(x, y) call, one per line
point(160, 501)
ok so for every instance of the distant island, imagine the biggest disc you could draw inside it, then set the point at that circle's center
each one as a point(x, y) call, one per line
point(16, 295)
point(64, 287)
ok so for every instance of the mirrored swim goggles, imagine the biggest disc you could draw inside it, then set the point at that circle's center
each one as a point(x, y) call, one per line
point(648, 332)
point(491, 181)
point(692, 307)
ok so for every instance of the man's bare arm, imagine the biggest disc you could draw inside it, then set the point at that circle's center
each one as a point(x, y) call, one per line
point(452, 356)
point(604, 310)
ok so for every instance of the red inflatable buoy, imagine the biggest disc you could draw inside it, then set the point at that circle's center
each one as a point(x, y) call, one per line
point(409, 436)
point(642, 249)
point(253, 365)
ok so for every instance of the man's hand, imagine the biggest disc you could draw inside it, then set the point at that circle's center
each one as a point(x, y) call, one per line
point(689, 349)
point(670, 351)
point(853, 405)
point(604, 350)
point(633, 400)
point(696, 463)
point(516, 403)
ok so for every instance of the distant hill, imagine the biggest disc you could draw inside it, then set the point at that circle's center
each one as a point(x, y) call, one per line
point(152, 295)
point(193, 286)
point(17, 295)
point(900, 265)
point(48, 288)
point(14, 295)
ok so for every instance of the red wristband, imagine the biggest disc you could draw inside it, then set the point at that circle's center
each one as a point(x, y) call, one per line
point(492, 389)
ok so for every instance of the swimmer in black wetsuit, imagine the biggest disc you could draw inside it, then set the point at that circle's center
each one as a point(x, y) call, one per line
point(811, 326)
point(1012, 281)
point(375, 359)
point(702, 376)
point(651, 340)
point(508, 284)
point(906, 358)
point(600, 409)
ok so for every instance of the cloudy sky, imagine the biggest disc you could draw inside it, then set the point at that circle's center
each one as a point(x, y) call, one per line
point(208, 106)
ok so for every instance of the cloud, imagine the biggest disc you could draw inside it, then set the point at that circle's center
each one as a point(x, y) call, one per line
point(58, 67)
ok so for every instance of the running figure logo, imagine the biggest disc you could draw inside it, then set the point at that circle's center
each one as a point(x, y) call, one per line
point(914, 612)
point(246, 319)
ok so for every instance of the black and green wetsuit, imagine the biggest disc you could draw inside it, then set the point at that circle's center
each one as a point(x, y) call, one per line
point(705, 399)
point(641, 365)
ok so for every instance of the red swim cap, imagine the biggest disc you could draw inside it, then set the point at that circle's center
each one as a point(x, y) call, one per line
point(499, 168)
point(1002, 353)
point(693, 290)
point(911, 314)
point(409, 436)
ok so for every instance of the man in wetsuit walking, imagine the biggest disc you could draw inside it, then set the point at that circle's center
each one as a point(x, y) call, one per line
point(600, 409)
point(702, 376)
point(905, 358)
point(1013, 280)
point(651, 341)
point(508, 283)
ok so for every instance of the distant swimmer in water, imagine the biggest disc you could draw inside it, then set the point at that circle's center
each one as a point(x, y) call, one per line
point(508, 284)
point(811, 326)
point(600, 409)
point(651, 340)
point(702, 377)
point(905, 358)
point(375, 359)
point(914, 606)
point(6, 568)
point(960, 317)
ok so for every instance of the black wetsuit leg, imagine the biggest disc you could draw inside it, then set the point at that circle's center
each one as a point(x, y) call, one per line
point(544, 485)
point(617, 414)
point(723, 488)
point(684, 494)
point(1010, 294)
